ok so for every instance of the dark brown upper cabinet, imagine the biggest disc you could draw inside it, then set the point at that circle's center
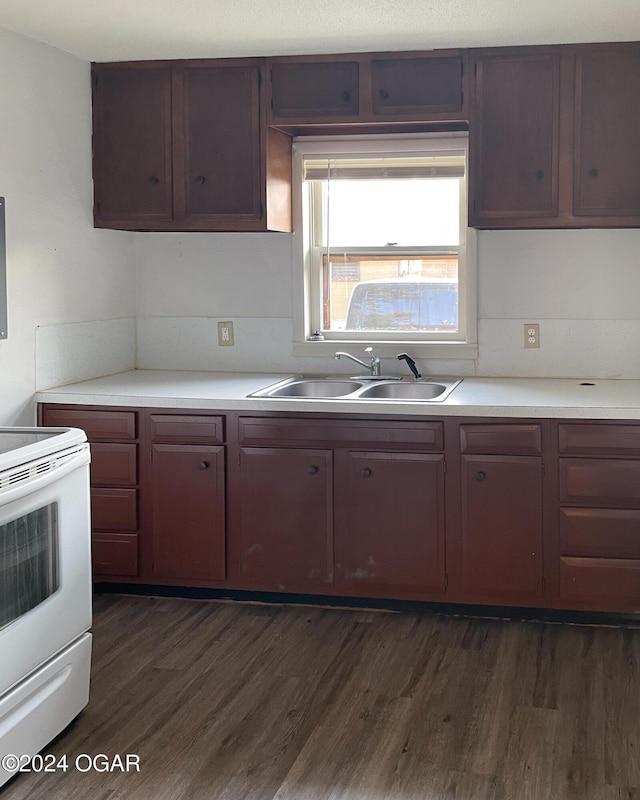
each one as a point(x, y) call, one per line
point(553, 137)
point(514, 140)
point(607, 131)
point(367, 88)
point(185, 146)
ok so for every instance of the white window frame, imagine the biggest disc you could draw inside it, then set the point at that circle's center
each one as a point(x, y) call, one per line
point(306, 277)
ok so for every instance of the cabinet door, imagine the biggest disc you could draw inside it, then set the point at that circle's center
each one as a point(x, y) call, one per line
point(132, 145)
point(502, 528)
point(303, 90)
point(188, 512)
point(390, 523)
point(514, 136)
point(286, 520)
point(218, 174)
point(416, 86)
point(606, 154)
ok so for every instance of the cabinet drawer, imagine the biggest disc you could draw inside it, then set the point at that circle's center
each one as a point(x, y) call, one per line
point(114, 509)
point(114, 464)
point(600, 482)
point(602, 581)
point(411, 435)
point(599, 439)
point(490, 439)
point(605, 532)
point(186, 428)
point(110, 425)
point(114, 553)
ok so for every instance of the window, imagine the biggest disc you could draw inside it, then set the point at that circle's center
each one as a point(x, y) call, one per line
point(381, 235)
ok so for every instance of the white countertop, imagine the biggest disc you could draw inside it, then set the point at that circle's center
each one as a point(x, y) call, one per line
point(227, 391)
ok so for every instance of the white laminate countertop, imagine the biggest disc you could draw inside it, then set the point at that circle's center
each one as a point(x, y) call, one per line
point(227, 391)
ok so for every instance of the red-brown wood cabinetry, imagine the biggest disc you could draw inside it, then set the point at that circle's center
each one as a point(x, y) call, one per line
point(284, 539)
point(390, 523)
point(184, 146)
point(501, 497)
point(553, 137)
point(599, 515)
point(364, 88)
point(187, 497)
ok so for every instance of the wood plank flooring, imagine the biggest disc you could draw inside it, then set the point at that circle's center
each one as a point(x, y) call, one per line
point(226, 701)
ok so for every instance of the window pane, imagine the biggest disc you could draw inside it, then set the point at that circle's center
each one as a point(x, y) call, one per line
point(378, 293)
point(418, 212)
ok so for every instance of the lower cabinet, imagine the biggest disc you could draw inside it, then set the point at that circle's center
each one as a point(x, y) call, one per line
point(390, 523)
point(475, 511)
point(284, 540)
point(188, 517)
point(502, 528)
point(599, 516)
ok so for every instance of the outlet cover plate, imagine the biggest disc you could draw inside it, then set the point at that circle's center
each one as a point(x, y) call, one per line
point(225, 334)
point(531, 334)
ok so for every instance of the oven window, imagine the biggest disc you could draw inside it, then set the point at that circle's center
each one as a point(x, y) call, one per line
point(28, 562)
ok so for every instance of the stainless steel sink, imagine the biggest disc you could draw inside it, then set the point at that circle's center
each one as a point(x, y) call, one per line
point(335, 388)
point(403, 391)
point(311, 387)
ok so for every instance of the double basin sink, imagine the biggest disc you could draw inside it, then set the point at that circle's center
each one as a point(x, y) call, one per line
point(316, 388)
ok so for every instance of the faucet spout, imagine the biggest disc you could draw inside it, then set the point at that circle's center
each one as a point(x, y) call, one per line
point(373, 366)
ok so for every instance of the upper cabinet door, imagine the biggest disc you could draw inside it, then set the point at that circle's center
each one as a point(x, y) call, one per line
point(417, 86)
point(514, 138)
point(607, 129)
point(220, 178)
point(313, 89)
point(132, 145)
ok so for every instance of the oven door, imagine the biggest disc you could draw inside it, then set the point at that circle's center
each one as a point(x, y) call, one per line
point(45, 561)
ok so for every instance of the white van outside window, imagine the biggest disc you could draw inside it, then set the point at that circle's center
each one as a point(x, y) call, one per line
point(381, 247)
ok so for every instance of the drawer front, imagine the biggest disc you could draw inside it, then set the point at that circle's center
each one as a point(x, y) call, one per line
point(342, 433)
point(497, 439)
point(600, 482)
point(599, 439)
point(114, 554)
point(114, 509)
point(607, 532)
point(114, 464)
point(186, 428)
point(110, 425)
point(601, 581)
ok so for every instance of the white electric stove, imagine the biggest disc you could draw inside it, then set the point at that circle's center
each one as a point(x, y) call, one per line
point(45, 587)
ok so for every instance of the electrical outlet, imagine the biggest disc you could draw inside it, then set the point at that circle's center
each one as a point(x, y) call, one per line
point(531, 334)
point(225, 334)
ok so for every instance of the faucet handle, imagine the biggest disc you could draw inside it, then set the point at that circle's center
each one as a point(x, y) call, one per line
point(411, 364)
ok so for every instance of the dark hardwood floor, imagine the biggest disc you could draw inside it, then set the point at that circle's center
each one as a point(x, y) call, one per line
point(225, 701)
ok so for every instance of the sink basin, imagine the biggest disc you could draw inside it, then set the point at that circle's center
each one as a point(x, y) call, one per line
point(310, 387)
point(403, 391)
point(329, 388)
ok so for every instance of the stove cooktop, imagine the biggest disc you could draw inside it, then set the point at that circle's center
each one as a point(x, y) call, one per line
point(21, 445)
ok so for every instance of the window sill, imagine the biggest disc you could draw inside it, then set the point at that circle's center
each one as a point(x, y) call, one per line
point(447, 350)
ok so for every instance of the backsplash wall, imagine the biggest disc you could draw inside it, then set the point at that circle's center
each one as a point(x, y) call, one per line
point(582, 287)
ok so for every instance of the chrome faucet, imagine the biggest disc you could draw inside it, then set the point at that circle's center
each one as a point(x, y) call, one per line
point(373, 367)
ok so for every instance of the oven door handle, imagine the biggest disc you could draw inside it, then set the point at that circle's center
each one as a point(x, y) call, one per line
point(69, 461)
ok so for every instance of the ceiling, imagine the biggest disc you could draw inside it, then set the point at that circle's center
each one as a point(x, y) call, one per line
point(118, 30)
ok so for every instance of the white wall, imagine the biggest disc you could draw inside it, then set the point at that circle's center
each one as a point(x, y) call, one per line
point(582, 287)
point(67, 282)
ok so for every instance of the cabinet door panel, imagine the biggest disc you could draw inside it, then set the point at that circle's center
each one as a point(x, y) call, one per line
point(132, 144)
point(502, 528)
point(514, 137)
point(286, 528)
point(417, 86)
point(188, 512)
point(607, 158)
point(390, 523)
point(301, 90)
point(221, 137)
